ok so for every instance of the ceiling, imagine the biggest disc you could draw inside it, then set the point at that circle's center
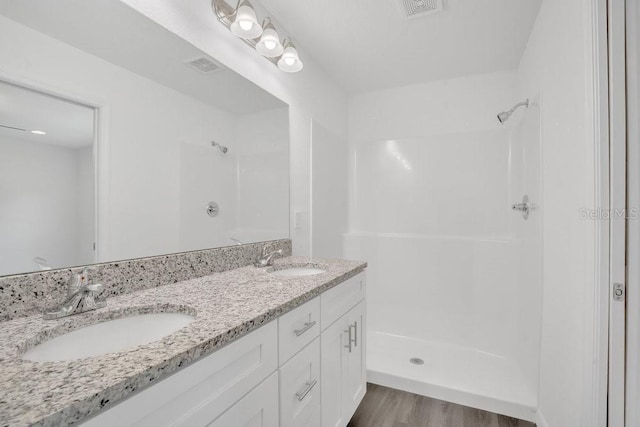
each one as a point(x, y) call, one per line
point(113, 31)
point(66, 124)
point(369, 44)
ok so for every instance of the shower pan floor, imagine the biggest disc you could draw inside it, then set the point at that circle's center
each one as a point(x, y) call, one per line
point(456, 374)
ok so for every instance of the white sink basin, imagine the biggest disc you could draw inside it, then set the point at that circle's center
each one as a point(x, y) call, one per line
point(108, 337)
point(297, 272)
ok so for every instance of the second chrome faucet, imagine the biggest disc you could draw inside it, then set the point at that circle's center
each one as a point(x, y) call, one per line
point(266, 259)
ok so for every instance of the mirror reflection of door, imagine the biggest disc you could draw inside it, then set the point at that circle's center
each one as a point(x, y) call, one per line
point(47, 181)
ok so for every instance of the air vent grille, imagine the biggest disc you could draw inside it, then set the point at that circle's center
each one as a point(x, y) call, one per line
point(415, 8)
point(205, 65)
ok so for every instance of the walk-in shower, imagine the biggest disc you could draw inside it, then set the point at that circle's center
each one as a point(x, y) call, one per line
point(454, 273)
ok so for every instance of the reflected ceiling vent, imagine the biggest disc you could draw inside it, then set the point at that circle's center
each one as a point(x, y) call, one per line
point(205, 65)
point(417, 8)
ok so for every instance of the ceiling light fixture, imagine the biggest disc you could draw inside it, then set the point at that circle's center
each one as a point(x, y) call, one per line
point(243, 22)
point(38, 132)
point(290, 61)
point(269, 44)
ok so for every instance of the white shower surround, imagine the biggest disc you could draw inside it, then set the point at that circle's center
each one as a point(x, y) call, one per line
point(454, 274)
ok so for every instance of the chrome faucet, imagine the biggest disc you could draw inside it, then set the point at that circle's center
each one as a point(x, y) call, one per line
point(266, 259)
point(81, 297)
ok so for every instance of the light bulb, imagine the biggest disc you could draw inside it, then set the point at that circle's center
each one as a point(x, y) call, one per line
point(246, 25)
point(290, 61)
point(269, 44)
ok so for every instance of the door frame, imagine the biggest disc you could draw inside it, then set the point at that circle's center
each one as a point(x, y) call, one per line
point(101, 158)
point(632, 389)
point(609, 241)
point(595, 374)
point(618, 215)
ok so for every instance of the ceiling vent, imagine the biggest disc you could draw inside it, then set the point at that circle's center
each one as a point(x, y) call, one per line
point(417, 8)
point(205, 65)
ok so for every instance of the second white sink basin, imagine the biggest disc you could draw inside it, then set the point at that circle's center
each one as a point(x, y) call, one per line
point(297, 272)
point(108, 337)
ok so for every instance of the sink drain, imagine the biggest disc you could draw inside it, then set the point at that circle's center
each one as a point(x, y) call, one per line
point(416, 361)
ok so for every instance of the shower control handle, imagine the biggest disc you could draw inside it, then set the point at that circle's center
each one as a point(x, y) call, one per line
point(525, 207)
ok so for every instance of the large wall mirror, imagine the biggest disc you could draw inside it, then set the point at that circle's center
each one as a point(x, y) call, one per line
point(120, 140)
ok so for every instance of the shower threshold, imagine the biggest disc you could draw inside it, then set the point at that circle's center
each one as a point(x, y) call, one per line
point(451, 373)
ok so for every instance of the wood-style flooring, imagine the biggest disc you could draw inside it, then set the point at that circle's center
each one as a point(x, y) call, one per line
point(387, 407)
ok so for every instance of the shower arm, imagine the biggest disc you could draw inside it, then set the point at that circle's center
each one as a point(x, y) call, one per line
point(520, 104)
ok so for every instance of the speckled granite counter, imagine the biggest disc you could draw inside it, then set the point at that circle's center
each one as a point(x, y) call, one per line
point(226, 305)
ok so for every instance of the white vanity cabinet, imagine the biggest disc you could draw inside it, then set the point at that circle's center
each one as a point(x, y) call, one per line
point(343, 364)
point(305, 369)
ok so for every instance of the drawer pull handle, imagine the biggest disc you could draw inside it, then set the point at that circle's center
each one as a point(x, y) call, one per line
point(305, 328)
point(307, 389)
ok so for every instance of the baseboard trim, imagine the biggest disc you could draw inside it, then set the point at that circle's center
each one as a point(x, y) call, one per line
point(541, 421)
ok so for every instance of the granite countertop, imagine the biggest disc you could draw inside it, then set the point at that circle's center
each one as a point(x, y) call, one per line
point(226, 305)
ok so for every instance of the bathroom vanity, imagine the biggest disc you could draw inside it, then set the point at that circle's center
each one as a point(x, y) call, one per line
point(281, 350)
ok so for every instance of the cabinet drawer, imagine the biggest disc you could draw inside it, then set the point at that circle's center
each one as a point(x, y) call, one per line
point(258, 408)
point(201, 392)
point(300, 387)
point(298, 328)
point(338, 300)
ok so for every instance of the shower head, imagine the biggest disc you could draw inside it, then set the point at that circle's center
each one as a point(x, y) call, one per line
point(222, 148)
point(504, 116)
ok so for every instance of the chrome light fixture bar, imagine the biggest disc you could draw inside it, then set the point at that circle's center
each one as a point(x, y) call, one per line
point(242, 22)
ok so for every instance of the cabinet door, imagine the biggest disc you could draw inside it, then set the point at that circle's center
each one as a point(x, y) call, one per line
point(300, 386)
point(356, 384)
point(334, 373)
point(259, 408)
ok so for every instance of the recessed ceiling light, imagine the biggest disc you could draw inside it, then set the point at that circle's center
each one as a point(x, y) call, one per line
point(38, 132)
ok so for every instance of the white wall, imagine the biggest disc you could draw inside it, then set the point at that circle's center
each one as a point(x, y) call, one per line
point(41, 204)
point(330, 191)
point(557, 64)
point(262, 174)
point(433, 176)
point(206, 175)
point(311, 94)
